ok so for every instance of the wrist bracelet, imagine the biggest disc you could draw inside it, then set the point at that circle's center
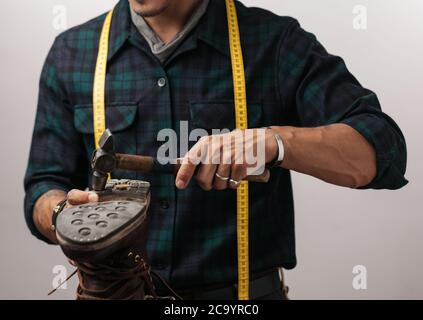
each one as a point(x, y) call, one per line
point(281, 152)
point(56, 210)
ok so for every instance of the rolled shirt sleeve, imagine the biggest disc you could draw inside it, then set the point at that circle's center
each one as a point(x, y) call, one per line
point(318, 88)
point(56, 159)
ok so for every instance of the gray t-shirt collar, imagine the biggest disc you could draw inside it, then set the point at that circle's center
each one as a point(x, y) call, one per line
point(160, 49)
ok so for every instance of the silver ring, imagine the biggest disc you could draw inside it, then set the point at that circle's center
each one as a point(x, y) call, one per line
point(235, 183)
point(221, 178)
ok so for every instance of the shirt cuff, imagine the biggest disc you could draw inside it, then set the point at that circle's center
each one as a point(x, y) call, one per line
point(31, 197)
point(390, 148)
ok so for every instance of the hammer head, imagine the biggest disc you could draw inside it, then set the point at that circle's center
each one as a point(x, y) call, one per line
point(103, 161)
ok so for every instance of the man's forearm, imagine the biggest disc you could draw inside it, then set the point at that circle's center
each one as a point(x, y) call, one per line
point(336, 153)
point(43, 211)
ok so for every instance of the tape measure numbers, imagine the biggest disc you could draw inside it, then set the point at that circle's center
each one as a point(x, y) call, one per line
point(99, 120)
point(241, 121)
point(99, 95)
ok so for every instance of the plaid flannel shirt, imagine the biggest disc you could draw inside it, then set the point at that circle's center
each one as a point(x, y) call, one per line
point(291, 80)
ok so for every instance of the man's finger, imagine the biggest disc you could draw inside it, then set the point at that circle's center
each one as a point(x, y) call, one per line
point(205, 176)
point(223, 172)
point(222, 176)
point(185, 173)
point(238, 172)
point(190, 161)
point(79, 197)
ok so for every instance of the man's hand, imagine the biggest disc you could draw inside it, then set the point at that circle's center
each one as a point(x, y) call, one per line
point(43, 209)
point(226, 158)
point(335, 153)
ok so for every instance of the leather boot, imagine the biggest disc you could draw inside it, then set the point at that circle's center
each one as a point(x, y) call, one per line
point(107, 243)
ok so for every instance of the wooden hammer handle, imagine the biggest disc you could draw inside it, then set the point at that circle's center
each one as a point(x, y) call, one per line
point(134, 162)
point(149, 164)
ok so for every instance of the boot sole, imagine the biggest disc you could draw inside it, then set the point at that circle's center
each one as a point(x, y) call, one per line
point(91, 232)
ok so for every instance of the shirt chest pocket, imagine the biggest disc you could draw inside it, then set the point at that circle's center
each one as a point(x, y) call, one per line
point(221, 115)
point(120, 119)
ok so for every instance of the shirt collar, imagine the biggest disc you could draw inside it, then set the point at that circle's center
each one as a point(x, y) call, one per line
point(212, 28)
point(120, 29)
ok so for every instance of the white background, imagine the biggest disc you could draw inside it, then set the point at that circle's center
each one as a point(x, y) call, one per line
point(336, 228)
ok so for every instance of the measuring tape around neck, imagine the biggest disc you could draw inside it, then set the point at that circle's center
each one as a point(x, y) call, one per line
point(99, 94)
point(99, 121)
point(241, 121)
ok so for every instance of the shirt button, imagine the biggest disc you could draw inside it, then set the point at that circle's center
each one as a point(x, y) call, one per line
point(164, 204)
point(161, 82)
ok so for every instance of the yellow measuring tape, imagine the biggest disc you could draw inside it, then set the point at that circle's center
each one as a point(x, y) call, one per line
point(99, 120)
point(99, 95)
point(241, 118)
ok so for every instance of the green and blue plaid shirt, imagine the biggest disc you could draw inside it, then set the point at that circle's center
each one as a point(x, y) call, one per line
point(291, 80)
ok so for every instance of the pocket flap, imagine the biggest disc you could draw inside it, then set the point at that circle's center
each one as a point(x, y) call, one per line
point(118, 117)
point(221, 115)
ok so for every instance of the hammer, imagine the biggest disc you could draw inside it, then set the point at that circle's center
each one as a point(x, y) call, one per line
point(104, 161)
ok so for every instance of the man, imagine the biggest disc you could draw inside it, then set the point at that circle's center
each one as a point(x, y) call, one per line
point(168, 62)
